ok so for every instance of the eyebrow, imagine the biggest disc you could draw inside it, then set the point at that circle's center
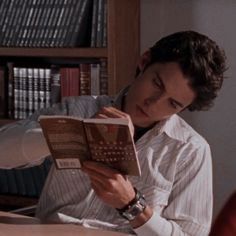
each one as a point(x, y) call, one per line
point(164, 88)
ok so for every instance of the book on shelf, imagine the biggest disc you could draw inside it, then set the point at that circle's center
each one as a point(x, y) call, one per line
point(94, 24)
point(55, 93)
point(85, 79)
point(99, 32)
point(53, 23)
point(103, 76)
point(3, 91)
point(18, 25)
point(28, 89)
point(72, 141)
point(82, 27)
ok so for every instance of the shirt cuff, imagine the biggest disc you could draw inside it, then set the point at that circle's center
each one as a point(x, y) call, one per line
point(155, 226)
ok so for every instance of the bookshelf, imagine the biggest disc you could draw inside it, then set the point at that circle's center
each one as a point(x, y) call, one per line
point(122, 51)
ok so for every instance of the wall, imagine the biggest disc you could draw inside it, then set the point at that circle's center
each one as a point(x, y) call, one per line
point(216, 18)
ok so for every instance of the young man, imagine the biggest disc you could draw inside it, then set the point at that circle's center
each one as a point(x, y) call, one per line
point(173, 196)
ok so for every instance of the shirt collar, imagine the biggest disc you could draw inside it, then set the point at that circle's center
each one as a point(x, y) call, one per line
point(175, 127)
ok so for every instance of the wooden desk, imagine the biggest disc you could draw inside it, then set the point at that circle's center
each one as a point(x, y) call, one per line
point(15, 225)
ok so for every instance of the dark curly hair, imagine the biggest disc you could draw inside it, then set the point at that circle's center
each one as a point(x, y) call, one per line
point(201, 61)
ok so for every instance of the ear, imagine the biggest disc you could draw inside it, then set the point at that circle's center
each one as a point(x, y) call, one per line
point(144, 60)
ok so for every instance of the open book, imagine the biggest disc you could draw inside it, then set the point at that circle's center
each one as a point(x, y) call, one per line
point(72, 140)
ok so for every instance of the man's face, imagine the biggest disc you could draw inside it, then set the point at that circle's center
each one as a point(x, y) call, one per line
point(159, 92)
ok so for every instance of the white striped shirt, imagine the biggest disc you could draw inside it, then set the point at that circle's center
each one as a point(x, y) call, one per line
point(176, 177)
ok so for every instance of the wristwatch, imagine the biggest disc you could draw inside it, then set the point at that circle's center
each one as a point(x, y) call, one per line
point(134, 207)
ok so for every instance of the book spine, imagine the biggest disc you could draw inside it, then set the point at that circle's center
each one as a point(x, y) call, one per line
point(47, 87)
point(60, 23)
point(9, 21)
point(103, 77)
point(6, 26)
point(19, 24)
point(66, 23)
point(15, 21)
point(74, 79)
point(94, 23)
point(42, 88)
point(55, 85)
point(73, 23)
point(30, 91)
point(25, 22)
point(85, 87)
point(22, 27)
point(10, 82)
point(49, 10)
point(4, 12)
point(38, 38)
point(36, 88)
point(16, 92)
point(80, 33)
point(54, 21)
point(104, 36)
point(24, 97)
point(30, 23)
point(95, 79)
point(36, 28)
point(64, 82)
point(99, 24)
point(3, 92)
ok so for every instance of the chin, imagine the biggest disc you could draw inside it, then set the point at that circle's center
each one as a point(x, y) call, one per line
point(143, 124)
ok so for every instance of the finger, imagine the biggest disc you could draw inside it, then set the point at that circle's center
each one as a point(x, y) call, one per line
point(114, 113)
point(100, 190)
point(96, 176)
point(99, 168)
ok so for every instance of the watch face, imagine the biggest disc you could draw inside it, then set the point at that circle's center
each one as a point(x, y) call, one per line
point(135, 209)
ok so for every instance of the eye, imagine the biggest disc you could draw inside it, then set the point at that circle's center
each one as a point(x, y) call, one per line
point(156, 82)
point(173, 104)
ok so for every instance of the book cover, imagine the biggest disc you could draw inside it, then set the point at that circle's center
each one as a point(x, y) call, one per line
point(72, 140)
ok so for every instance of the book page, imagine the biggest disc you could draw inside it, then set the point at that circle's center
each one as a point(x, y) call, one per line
point(66, 140)
point(112, 144)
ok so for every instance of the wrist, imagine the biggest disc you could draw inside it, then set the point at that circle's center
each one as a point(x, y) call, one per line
point(142, 218)
point(134, 208)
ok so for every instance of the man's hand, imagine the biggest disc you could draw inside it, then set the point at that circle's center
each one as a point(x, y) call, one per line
point(112, 112)
point(110, 186)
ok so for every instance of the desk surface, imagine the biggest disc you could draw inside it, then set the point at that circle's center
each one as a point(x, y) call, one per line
point(15, 225)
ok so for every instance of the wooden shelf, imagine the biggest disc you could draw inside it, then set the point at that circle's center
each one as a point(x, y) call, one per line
point(54, 52)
